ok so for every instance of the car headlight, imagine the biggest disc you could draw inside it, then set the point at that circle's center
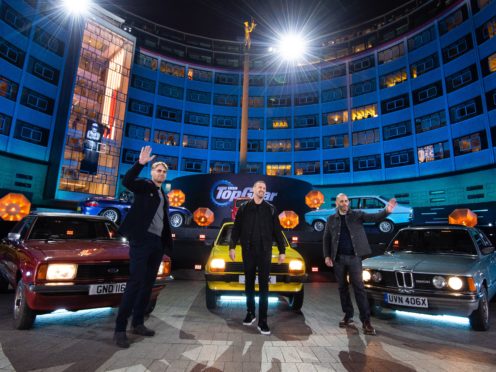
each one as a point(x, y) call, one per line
point(217, 265)
point(439, 281)
point(455, 283)
point(376, 276)
point(61, 271)
point(366, 275)
point(295, 266)
point(164, 269)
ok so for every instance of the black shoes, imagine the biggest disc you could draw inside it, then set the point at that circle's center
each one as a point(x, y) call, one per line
point(249, 319)
point(368, 329)
point(263, 328)
point(120, 339)
point(346, 322)
point(143, 331)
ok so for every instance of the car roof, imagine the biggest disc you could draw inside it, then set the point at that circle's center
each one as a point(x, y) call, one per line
point(59, 214)
point(438, 227)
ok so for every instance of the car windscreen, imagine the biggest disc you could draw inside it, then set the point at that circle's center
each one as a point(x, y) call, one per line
point(72, 228)
point(225, 236)
point(449, 241)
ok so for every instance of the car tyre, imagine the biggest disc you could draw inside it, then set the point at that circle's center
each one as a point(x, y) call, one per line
point(176, 219)
point(150, 307)
point(112, 214)
point(318, 225)
point(479, 319)
point(386, 226)
point(211, 298)
point(24, 316)
point(295, 301)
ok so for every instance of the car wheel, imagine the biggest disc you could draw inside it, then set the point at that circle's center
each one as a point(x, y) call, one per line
point(150, 307)
point(479, 319)
point(23, 316)
point(176, 219)
point(318, 225)
point(112, 214)
point(296, 301)
point(386, 226)
point(211, 298)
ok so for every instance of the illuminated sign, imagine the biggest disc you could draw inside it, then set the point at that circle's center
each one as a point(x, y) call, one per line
point(224, 192)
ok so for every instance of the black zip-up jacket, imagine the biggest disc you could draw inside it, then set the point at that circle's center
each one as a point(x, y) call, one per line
point(245, 220)
point(146, 202)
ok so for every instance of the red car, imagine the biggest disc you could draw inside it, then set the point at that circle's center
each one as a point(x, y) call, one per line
point(236, 204)
point(69, 261)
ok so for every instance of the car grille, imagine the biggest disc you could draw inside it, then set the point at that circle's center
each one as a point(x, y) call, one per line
point(237, 267)
point(105, 271)
point(403, 279)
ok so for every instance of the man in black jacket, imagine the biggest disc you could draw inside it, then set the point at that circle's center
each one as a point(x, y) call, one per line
point(256, 225)
point(345, 243)
point(148, 230)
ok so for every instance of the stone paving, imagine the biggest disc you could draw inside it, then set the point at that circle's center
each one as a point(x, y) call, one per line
point(191, 338)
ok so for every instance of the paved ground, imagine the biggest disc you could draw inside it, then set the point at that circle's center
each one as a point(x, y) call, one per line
point(191, 338)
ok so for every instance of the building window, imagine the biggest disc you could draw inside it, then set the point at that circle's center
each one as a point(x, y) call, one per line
point(198, 96)
point(465, 110)
point(171, 91)
point(333, 94)
point(335, 141)
point(366, 137)
point(170, 114)
point(470, 143)
point(422, 38)
point(435, 151)
point(255, 123)
point(395, 104)
point(11, 53)
point(197, 118)
point(227, 79)
point(391, 54)
point(306, 99)
point(488, 64)
point(166, 138)
point(453, 20)
point(424, 65)
point(193, 165)
point(279, 145)
point(461, 78)
point(393, 78)
point(364, 163)
point(49, 41)
point(363, 87)
point(305, 121)
point(257, 80)
point(171, 161)
point(171, 69)
point(146, 61)
point(279, 79)
point(254, 146)
point(397, 130)
point(429, 122)
point(137, 132)
point(337, 117)
point(130, 156)
point(427, 93)
point(37, 101)
point(364, 112)
point(278, 123)
point(398, 158)
point(140, 107)
point(15, 19)
point(5, 123)
point(302, 77)
point(306, 144)
point(223, 144)
point(491, 99)
point(328, 73)
point(458, 48)
point(279, 101)
point(218, 166)
point(479, 4)
point(224, 121)
point(199, 75)
point(196, 142)
point(142, 83)
point(254, 168)
point(307, 167)
point(486, 31)
point(337, 166)
point(8, 88)
point(225, 100)
point(257, 101)
point(362, 64)
point(31, 133)
point(278, 169)
point(43, 71)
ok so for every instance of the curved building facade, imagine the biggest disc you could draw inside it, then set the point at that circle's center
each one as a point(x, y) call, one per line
point(403, 105)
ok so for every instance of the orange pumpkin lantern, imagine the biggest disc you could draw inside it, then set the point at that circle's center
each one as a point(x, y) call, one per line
point(314, 199)
point(463, 216)
point(14, 207)
point(203, 216)
point(176, 198)
point(288, 219)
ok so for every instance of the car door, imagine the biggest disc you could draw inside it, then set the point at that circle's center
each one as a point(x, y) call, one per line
point(488, 260)
point(371, 205)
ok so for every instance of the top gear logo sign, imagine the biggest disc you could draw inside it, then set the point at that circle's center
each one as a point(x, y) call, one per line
point(224, 192)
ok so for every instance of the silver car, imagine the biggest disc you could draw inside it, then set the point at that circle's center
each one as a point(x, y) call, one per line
point(435, 270)
point(402, 214)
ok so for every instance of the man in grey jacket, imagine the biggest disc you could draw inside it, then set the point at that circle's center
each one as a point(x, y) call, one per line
point(345, 243)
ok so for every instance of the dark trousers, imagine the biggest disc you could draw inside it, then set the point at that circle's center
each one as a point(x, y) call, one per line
point(253, 258)
point(144, 260)
point(351, 266)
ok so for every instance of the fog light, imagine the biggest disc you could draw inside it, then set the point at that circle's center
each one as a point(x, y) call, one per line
point(439, 282)
point(455, 283)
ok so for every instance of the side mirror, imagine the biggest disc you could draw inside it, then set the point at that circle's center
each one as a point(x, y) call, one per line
point(15, 237)
point(487, 250)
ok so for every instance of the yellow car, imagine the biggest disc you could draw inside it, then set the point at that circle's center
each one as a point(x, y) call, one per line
point(226, 277)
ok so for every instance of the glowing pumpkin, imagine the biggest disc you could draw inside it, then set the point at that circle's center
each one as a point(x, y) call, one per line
point(314, 199)
point(288, 219)
point(176, 198)
point(14, 207)
point(463, 216)
point(203, 216)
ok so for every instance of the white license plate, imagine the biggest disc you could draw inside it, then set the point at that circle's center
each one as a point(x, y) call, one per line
point(272, 279)
point(107, 288)
point(403, 300)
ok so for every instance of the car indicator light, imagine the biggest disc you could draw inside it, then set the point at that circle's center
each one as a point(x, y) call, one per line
point(91, 204)
point(164, 268)
point(471, 285)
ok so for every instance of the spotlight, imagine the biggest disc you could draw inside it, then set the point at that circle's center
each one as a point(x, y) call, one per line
point(292, 47)
point(76, 7)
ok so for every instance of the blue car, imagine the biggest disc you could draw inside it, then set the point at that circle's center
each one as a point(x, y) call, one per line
point(116, 209)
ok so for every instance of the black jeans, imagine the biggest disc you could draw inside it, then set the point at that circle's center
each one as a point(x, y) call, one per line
point(144, 260)
point(253, 258)
point(351, 266)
